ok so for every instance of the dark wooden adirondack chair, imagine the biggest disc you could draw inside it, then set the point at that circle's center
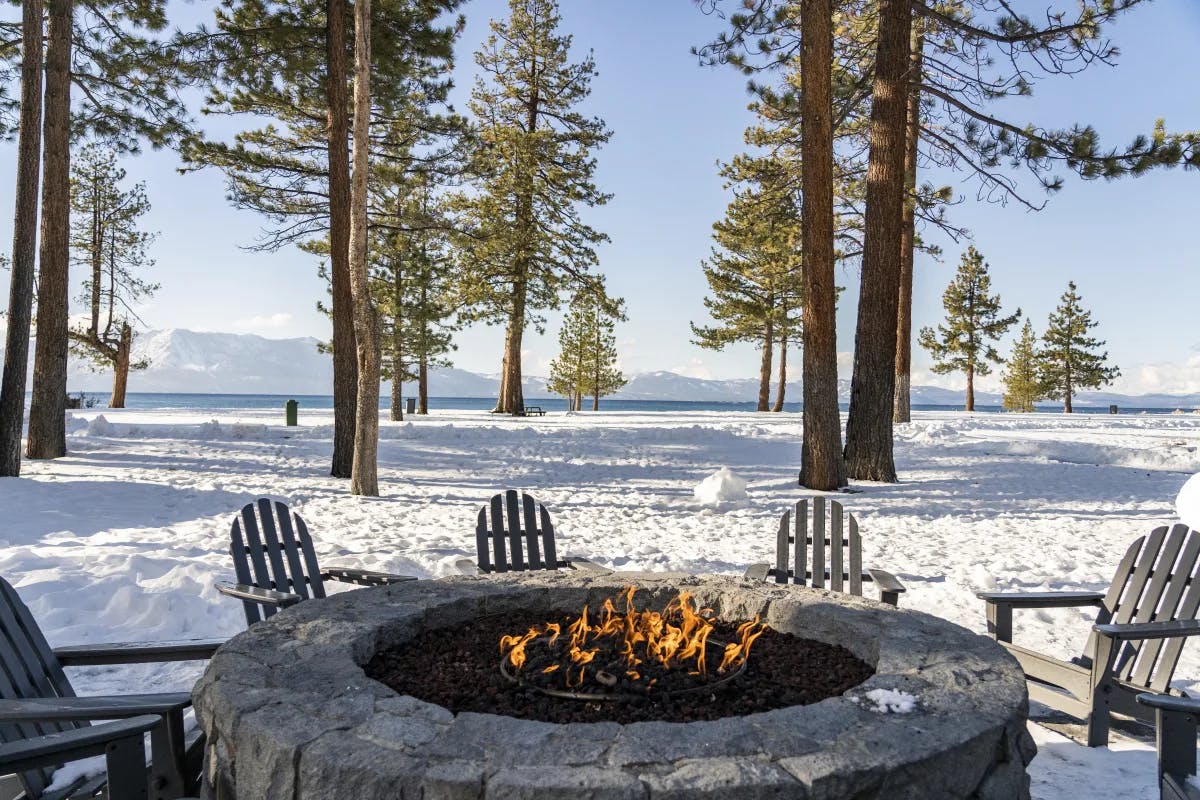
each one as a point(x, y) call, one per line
point(1141, 625)
point(1175, 723)
point(276, 565)
point(834, 535)
point(518, 536)
point(36, 701)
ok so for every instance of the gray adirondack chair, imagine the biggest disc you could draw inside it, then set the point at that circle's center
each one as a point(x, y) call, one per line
point(517, 536)
point(276, 566)
point(832, 537)
point(37, 701)
point(1175, 724)
point(1142, 623)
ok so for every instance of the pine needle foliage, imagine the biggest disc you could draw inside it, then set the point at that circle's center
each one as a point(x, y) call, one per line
point(1023, 384)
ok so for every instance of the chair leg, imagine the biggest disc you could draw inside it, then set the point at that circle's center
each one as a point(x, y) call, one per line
point(167, 757)
point(1176, 732)
point(999, 621)
point(125, 760)
point(1100, 691)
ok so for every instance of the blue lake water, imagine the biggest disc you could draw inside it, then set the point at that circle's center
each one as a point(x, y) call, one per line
point(203, 401)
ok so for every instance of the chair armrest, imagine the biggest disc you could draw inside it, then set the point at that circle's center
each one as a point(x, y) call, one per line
point(364, 577)
point(583, 565)
point(890, 587)
point(136, 653)
point(59, 748)
point(886, 581)
point(87, 708)
point(758, 572)
point(1041, 599)
point(1168, 629)
point(1169, 702)
point(257, 594)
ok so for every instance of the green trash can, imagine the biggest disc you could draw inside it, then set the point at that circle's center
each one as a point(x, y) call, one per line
point(292, 409)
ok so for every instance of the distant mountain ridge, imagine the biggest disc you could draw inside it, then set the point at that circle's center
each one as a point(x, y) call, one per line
point(183, 361)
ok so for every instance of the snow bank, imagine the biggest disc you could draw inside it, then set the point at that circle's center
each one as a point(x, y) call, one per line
point(723, 486)
point(101, 427)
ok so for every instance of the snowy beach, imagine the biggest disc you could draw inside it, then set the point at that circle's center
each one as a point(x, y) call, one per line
point(122, 539)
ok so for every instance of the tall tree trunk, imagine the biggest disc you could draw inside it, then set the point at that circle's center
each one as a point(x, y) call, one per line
point(872, 392)
point(397, 410)
point(502, 394)
point(821, 465)
point(781, 392)
point(345, 364)
point(1067, 407)
point(121, 367)
point(47, 409)
point(364, 479)
point(423, 384)
point(902, 407)
point(514, 399)
point(764, 366)
point(24, 251)
point(970, 388)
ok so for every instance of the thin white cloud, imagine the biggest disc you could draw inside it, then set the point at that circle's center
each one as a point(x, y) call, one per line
point(264, 322)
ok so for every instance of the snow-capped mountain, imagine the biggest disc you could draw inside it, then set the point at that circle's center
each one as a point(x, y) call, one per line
point(183, 361)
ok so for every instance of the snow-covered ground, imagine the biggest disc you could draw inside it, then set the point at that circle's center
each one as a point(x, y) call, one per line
point(122, 539)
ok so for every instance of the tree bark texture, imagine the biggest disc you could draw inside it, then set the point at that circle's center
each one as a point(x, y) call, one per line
point(24, 250)
point(345, 366)
point(121, 367)
point(423, 385)
point(47, 409)
point(821, 455)
point(872, 393)
point(513, 396)
point(764, 366)
point(902, 407)
point(364, 477)
point(781, 393)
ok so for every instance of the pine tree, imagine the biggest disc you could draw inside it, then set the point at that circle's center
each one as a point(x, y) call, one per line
point(754, 271)
point(587, 361)
point(1023, 385)
point(973, 323)
point(415, 283)
point(1069, 360)
point(129, 74)
point(24, 251)
point(525, 240)
point(569, 368)
point(286, 63)
point(108, 244)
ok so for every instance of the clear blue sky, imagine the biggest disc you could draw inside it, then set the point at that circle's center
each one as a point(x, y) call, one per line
point(1130, 245)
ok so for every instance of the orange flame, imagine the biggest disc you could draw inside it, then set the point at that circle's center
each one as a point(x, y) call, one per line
point(676, 637)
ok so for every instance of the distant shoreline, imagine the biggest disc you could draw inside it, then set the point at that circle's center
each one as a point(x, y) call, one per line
point(191, 400)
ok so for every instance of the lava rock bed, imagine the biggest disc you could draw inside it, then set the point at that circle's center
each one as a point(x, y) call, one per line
point(458, 669)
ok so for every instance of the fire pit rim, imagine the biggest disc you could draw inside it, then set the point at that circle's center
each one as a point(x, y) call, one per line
point(292, 691)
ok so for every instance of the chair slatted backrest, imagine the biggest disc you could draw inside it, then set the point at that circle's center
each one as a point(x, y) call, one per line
point(516, 535)
point(272, 549)
point(832, 537)
point(1157, 580)
point(28, 669)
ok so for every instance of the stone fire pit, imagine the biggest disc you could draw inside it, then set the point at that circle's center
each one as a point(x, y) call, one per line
point(290, 714)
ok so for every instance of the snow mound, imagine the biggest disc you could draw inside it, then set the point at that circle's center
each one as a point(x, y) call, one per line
point(1187, 504)
point(101, 427)
point(723, 486)
point(241, 431)
point(891, 701)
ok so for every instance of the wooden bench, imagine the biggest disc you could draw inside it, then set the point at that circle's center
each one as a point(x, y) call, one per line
point(534, 411)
